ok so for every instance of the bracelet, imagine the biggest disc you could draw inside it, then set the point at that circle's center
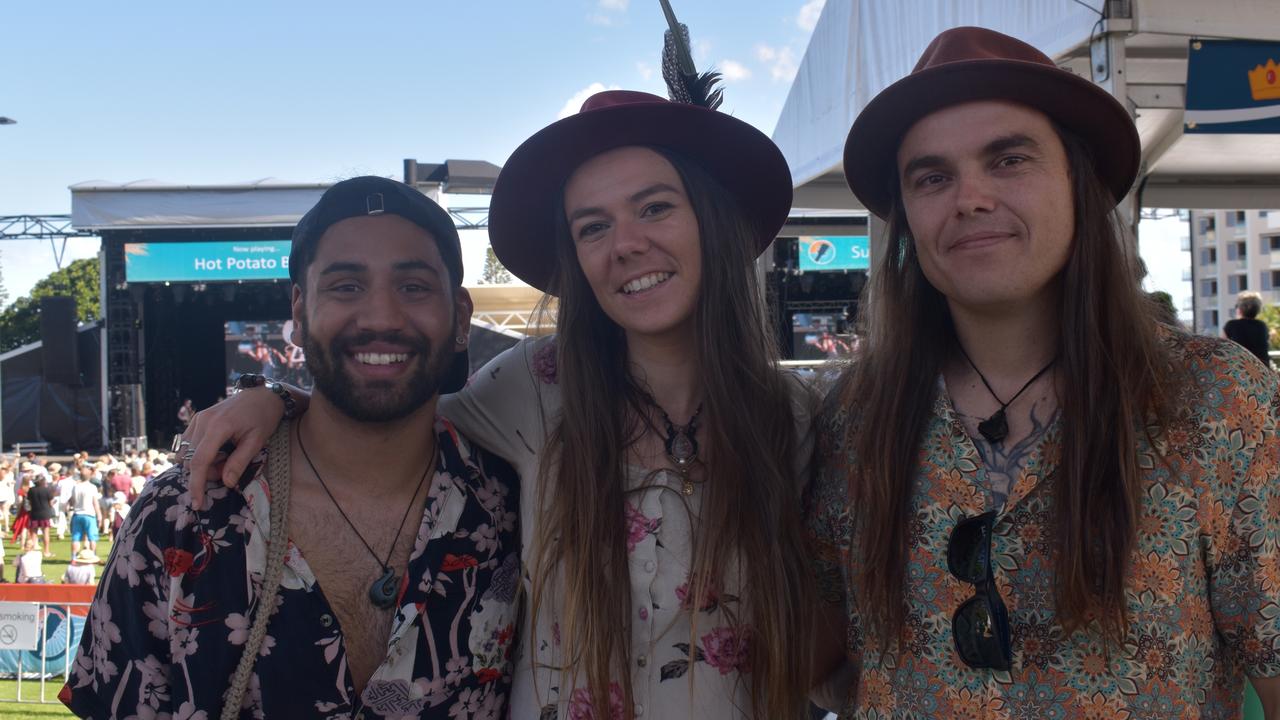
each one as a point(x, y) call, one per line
point(249, 380)
point(290, 407)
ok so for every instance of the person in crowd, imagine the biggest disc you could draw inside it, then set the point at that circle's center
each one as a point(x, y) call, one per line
point(1247, 330)
point(318, 587)
point(81, 569)
point(29, 564)
point(667, 572)
point(185, 412)
point(8, 483)
point(120, 507)
point(40, 502)
point(1035, 499)
point(86, 511)
point(23, 517)
point(145, 472)
point(62, 502)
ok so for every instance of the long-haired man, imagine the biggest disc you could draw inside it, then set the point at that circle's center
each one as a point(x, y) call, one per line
point(1035, 499)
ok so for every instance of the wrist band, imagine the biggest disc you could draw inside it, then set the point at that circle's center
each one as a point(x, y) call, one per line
point(290, 407)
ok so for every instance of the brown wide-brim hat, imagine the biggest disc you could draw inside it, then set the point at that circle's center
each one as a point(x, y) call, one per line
point(966, 64)
point(527, 196)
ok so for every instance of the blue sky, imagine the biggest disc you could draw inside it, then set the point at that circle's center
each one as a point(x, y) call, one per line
point(317, 91)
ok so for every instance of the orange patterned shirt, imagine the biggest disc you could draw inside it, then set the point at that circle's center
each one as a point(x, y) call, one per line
point(1204, 585)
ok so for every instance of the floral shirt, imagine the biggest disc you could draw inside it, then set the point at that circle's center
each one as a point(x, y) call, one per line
point(511, 405)
point(173, 610)
point(1204, 585)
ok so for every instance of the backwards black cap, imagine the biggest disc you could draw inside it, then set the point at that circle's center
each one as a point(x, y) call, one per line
point(372, 195)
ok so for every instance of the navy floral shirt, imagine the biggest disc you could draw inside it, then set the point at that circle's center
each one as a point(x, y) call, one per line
point(174, 607)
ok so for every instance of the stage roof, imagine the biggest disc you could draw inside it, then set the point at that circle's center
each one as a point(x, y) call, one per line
point(859, 47)
point(152, 205)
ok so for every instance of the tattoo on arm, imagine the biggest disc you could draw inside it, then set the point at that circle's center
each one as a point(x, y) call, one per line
point(1004, 460)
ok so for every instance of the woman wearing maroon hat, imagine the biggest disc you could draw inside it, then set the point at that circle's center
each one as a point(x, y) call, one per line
point(663, 456)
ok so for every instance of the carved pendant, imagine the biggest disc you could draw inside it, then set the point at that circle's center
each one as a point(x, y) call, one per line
point(382, 593)
point(994, 428)
point(687, 488)
point(682, 450)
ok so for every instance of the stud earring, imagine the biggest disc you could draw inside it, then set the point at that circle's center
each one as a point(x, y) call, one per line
point(461, 340)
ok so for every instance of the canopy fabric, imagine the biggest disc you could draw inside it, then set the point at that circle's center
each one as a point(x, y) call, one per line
point(141, 206)
point(859, 47)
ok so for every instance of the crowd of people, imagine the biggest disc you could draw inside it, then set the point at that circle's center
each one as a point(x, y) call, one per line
point(84, 499)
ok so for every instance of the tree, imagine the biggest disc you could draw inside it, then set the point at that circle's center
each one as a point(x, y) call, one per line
point(494, 272)
point(20, 322)
point(4, 292)
point(1271, 316)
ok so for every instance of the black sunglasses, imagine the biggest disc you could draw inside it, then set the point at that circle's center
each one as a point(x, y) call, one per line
point(980, 626)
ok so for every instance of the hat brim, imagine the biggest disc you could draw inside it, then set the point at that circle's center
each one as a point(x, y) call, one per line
point(871, 150)
point(524, 207)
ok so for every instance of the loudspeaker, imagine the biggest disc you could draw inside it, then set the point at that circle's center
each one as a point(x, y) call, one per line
point(58, 334)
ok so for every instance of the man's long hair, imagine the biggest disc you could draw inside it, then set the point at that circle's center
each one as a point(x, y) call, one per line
point(748, 524)
point(1114, 385)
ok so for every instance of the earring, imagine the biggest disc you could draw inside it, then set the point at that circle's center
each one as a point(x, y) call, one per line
point(461, 340)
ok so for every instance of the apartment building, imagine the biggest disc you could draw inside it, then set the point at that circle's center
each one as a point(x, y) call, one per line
point(1232, 251)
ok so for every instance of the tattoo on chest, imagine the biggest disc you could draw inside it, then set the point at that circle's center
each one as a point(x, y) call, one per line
point(1006, 458)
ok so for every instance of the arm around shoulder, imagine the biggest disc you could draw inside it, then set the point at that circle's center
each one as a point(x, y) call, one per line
point(504, 405)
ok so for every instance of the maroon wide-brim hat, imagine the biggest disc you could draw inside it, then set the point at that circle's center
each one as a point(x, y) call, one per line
point(965, 64)
point(527, 197)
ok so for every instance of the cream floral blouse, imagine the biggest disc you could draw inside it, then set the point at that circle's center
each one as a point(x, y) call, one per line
point(509, 407)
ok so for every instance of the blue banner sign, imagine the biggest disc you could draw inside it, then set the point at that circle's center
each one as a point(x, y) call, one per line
point(207, 261)
point(1233, 86)
point(834, 252)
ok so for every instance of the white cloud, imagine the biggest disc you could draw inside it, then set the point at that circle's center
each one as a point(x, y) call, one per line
point(574, 104)
point(733, 70)
point(645, 70)
point(608, 12)
point(807, 19)
point(780, 61)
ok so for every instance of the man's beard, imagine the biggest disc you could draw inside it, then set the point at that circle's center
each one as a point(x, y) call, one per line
point(375, 401)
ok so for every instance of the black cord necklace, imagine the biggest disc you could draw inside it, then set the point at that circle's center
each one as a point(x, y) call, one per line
point(681, 443)
point(382, 592)
point(996, 427)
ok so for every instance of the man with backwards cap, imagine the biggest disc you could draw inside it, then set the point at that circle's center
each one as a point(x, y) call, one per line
point(323, 585)
point(1035, 500)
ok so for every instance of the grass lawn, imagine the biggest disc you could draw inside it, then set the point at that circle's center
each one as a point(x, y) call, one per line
point(53, 569)
point(31, 691)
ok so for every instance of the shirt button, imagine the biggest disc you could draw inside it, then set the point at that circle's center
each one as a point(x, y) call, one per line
point(642, 661)
point(326, 620)
point(644, 613)
point(649, 566)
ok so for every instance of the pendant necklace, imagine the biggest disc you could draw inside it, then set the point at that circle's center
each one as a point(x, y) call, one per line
point(681, 443)
point(382, 592)
point(996, 427)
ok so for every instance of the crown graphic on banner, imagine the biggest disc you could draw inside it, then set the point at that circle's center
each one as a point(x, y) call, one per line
point(1264, 82)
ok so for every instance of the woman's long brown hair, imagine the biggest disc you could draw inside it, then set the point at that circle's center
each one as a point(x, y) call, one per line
point(749, 521)
point(1115, 385)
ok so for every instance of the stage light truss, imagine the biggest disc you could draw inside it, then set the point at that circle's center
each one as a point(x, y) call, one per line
point(470, 218)
point(41, 227)
point(512, 320)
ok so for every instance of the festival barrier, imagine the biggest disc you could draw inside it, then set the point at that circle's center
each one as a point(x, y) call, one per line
point(40, 629)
